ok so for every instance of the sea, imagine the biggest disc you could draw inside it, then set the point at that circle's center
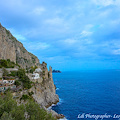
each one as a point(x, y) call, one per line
point(88, 94)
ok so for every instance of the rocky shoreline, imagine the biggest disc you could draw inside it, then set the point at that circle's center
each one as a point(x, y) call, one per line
point(55, 114)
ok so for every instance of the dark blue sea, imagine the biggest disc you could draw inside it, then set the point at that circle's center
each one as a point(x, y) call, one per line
point(89, 93)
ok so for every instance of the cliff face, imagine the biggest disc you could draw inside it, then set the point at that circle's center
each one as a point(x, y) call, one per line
point(45, 91)
point(12, 49)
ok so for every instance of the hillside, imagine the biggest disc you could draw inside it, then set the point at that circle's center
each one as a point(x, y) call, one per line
point(11, 48)
point(14, 55)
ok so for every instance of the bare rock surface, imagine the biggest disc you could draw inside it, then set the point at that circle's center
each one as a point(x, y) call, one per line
point(11, 48)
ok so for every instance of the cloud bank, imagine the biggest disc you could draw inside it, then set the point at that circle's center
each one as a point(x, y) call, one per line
point(69, 33)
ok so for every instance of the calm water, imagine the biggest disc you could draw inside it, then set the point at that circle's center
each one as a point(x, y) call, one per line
point(95, 92)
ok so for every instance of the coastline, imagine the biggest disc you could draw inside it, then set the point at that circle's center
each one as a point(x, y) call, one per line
point(54, 113)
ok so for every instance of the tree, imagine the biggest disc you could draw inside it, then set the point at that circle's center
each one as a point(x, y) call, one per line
point(21, 73)
point(13, 73)
point(24, 78)
point(18, 113)
point(17, 83)
point(6, 116)
point(35, 112)
point(10, 111)
point(7, 103)
point(3, 63)
point(5, 72)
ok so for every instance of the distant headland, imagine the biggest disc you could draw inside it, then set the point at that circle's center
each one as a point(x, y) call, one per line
point(56, 71)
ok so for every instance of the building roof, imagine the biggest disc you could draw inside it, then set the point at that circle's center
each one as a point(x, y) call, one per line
point(38, 70)
point(35, 74)
point(11, 79)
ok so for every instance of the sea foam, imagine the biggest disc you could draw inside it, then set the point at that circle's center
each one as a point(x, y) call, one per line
point(57, 89)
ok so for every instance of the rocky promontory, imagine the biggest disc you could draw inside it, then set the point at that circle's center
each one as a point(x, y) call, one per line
point(43, 88)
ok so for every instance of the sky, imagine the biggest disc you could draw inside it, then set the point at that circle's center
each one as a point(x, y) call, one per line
point(67, 34)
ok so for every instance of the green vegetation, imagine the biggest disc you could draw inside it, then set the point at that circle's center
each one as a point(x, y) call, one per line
point(24, 79)
point(30, 93)
point(33, 59)
point(9, 109)
point(43, 72)
point(30, 111)
point(32, 69)
point(17, 83)
point(5, 72)
point(13, 73)
point(7, 32)
point(33, 56)
point(24, 97)
point(36, 113)
point(44, 63)
point(22, 58)
point(7, 63)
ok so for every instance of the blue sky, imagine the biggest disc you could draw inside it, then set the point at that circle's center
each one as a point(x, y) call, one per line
point(67, 34)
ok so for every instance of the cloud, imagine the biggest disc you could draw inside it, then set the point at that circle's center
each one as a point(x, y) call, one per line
point(104, 2)
point(116, 52)
point(54, 21)
point(69, 41)
point(79, 29)
point(37, 46)
point(38, 10)
point(85, 33)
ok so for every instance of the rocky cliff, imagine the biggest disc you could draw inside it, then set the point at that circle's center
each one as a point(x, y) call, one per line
point(11, 48)
point(44, 89)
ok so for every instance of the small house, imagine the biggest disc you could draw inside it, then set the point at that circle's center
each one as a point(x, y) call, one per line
point(35, 76)
point(10, 81)
point(3, 88)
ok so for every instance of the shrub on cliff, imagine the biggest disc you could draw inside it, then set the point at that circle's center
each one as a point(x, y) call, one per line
point(31, 111)
point(13, 73)
point(9, 109)
point(17, 83)
point(7, 63)
point(24, 97)
point(5, 72)
point(37, 113)
point(32, 69)
point(24, 79)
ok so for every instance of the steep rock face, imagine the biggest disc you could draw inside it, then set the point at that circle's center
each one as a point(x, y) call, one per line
point(45, 92)
point(12, 49)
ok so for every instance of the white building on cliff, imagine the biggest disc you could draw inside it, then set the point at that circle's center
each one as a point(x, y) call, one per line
point(35, 76)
